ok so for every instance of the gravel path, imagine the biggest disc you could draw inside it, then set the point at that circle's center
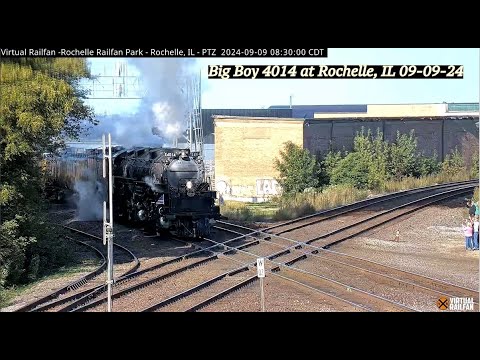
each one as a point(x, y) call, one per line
point(280, 296)
point(138, 300)
point(430, 243)
point(386, 288)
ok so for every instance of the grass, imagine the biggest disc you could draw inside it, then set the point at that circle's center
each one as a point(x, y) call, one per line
point(475, 195)
point(9, 294)
point(293, 206)
point(237, 210)
point(411, 183)
point(290, 207)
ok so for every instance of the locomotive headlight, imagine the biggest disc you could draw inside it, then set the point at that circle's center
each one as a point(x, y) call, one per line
point(189, 184)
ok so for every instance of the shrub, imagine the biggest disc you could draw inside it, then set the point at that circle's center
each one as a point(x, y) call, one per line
point(298, 169)
point(453, 163)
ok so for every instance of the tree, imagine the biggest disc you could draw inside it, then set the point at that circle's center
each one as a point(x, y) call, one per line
point(366, 165)
point(41, 105)
point(475, 166)
point(298, 169)
point(453, 163)
point(427, 165)
point(328, 165)
point(403, 156)
point(353, 170)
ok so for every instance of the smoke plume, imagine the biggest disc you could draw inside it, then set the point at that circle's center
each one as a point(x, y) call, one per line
point(149, 181)
point(90, 195)
point(162, 114)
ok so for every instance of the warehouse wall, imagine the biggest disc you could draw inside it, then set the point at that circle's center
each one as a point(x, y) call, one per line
point(245, 149)
point(439, 136)
point(209, 114)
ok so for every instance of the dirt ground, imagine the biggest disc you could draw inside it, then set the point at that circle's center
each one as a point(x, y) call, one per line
point(430, 243)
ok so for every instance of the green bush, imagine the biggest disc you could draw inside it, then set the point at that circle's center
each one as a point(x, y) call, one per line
point(427, 166)
point(403, 156)
point(352, 170)
point(366, 165)
point(328, 165)
point(453, 163)
point(298, 169)
point(475, 166)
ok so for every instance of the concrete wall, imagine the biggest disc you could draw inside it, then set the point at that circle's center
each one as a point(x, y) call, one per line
point(428, 133)
point(317, 136)
point(245, 149)
point(439, 136)
point(462, 134)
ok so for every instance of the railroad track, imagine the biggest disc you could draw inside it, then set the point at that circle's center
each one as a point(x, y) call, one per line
point(218, 284)
point(83, 285)
point(171, 270)
point(299, 223)
point(213, 288)
point(128, 296)
point(356, 224)
point(354, 270)
point(227, 281)
point(327, 286)
point(145, 277)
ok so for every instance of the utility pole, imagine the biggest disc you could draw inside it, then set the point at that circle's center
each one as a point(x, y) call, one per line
point(108, 224)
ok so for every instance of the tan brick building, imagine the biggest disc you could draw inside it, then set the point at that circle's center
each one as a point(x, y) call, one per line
point(245, 149)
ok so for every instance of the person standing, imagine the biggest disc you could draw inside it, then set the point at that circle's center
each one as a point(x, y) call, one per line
point(475, 233)
point(468, 232)
point(471, 210)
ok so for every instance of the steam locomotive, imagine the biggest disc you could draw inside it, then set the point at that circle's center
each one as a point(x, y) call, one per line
point(163, 189)
point(159, 189)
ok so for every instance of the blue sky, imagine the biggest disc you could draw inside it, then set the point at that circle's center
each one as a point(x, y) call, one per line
point(258, 93)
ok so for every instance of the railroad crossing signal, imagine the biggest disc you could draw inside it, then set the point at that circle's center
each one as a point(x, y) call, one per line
point(261, 267)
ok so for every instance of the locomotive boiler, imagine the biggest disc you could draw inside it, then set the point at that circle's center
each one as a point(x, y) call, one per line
point(163, 189)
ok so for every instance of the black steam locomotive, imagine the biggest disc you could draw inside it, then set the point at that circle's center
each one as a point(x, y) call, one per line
point(163, 189)
point(159, 189)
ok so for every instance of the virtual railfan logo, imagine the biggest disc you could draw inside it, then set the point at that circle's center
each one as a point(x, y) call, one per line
point(455, 303)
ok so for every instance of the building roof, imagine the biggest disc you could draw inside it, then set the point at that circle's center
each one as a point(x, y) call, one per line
point(308, 111)
point(246, 118)
point(325, 108)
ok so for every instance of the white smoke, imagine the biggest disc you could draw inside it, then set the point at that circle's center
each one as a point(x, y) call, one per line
point(162, 114)
point(89, 200)
point(149, 181)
